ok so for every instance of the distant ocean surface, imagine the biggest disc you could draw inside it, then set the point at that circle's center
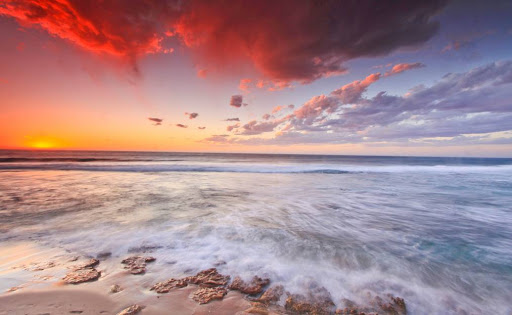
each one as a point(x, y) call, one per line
point(435, 231)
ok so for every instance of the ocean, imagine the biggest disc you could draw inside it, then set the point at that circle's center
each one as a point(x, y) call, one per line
point(434, 231)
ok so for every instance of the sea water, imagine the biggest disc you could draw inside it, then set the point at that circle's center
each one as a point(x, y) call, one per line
point(435, 231)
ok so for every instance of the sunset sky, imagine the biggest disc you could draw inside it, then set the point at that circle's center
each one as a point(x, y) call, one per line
point(333, 77)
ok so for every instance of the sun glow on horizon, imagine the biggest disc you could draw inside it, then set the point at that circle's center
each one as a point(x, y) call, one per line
point(41, 143)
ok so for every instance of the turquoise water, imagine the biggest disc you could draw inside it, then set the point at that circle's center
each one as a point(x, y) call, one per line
point(435, 231)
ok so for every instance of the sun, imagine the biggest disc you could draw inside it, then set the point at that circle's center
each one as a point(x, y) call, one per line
point(41, 142)
point(43, 145)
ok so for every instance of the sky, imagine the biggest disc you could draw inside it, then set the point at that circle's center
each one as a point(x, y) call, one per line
point(431, 78)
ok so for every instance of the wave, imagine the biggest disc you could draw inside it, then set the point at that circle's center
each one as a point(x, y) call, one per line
point(257, 168)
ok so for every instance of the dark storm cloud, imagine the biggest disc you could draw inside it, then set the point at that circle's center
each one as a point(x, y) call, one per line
point(285, 40)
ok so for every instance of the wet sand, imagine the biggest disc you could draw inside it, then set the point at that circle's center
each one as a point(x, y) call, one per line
point(80, 301)
point(38, 280)
point(31, 283)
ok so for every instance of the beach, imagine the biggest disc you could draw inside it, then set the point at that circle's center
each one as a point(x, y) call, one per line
point(335, 233)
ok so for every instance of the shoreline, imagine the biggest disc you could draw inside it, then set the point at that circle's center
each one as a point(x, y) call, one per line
point(54, 281)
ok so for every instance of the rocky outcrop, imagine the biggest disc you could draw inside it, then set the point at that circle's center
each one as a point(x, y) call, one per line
point(391, 305)
point(131, 310)
point(377, 305)
point(82, 275)
point(271, 295)
point(42, 266)
point(137, 264)
point(298, 304)
point(257, 308)
point(208, 278)
point(84, 272)
point(88, 264)
point(207, 294)
point(166, 286)
point(211, 285)
point(318, 302)
point(252, 288)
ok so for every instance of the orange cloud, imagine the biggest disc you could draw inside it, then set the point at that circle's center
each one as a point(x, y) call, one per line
point(401, 67)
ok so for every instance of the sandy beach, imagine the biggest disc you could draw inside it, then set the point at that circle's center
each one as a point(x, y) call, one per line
point(41, 288)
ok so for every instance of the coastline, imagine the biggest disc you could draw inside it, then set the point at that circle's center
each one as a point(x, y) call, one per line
point(47, 283)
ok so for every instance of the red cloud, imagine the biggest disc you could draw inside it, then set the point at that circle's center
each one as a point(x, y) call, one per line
point(119, 28)
point(401, 67)
point(285, 40)
point(244, 85)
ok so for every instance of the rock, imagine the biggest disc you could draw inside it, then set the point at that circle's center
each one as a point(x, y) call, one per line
point(88, 264)
point(352, 311)
point(82, 275)
point(257, 308)
point(42, 266)
point(394, 305)
point(133, 309)
point(137, 264)
point(115, 288)
point(14, 289)
point(271, 295)
point(166, 286)
point(208, 278)
point(298, 304)
point(399, 305)
point(377, 305)
point(206, 294)
point(104, 255)
point(144, 249)
point(254, 287)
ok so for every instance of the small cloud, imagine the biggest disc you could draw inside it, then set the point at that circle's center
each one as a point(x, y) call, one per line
point(466, 39)
point(401, 67)
point(201, 128)
point(192, 115)
point(157, 121)
point(217, 138)
point(244, 85)
point(232, 119)
point(282, 107)
point(202, 73)
point(266, 116)
point(231, 127)
point(274, 85)
point(237, 101)
point(181, 126)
